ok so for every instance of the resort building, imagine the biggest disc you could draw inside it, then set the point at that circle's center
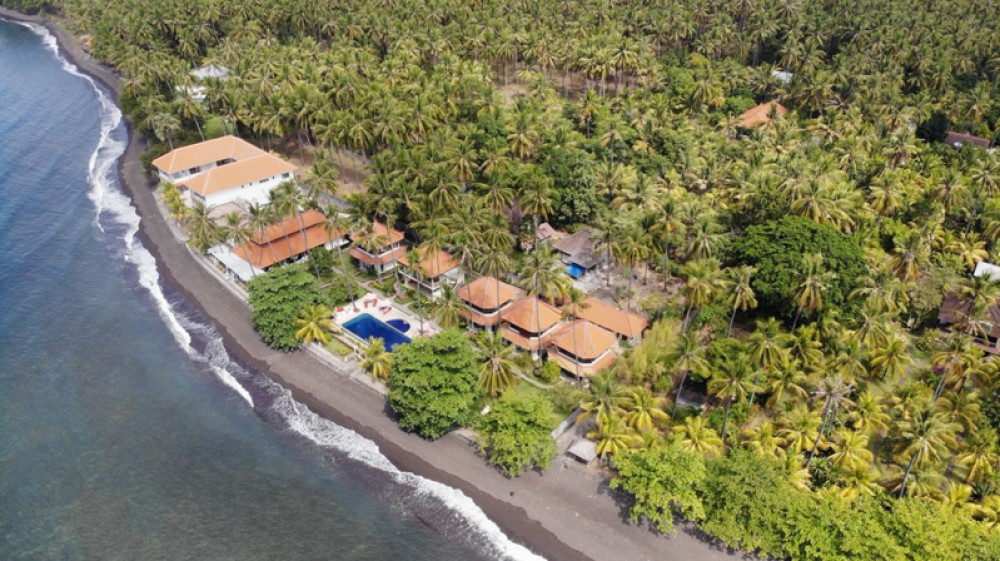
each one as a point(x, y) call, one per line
point(528, 323)
point(577, 251)
point(379, 248)
point(284, 242)
point(583, 349)
point(182, 163)
point(201, 75)
point(762, 115)
point(959, 139)
point(223, 171)
point(626, 326)
point(486, 298)
point(434, 270)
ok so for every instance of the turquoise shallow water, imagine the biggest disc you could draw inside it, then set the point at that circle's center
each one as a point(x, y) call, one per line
point(125, 432)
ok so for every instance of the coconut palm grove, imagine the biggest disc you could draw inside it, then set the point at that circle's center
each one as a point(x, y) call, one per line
point(803, 197)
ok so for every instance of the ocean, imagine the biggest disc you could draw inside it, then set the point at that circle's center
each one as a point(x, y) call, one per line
point(126, 432)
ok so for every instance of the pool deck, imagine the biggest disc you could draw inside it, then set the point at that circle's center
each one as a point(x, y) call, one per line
point(383, 309)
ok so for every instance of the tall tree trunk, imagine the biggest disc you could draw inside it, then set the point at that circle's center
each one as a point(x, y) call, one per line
point(822, 428)
point(732, 318)
point(677, 397)
point(666, 263)
point(906, 475)
point(725, 420)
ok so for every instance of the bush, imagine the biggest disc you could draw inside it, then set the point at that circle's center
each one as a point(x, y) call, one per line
point(776, 249)
point(277, 298)
point(664, 481)
point(321, 260)
point(548, 372)
point(516, 435)
point(434, 386)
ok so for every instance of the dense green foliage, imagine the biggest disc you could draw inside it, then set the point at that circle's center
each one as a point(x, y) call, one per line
point(516, 435)
point(434, 381)
point(776, 250)
point(467, 124)
point(745, 501)
point(277, 298)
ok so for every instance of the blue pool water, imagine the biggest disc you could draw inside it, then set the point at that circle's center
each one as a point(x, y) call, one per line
point(575, 270)
point(366, 326)
point(399, 324)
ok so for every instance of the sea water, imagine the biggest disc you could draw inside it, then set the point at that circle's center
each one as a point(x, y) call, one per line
point(126, 432)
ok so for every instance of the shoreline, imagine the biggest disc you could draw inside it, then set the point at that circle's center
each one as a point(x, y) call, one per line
point(546, 512)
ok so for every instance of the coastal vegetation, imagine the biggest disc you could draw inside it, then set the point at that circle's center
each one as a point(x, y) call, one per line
point(796, 395)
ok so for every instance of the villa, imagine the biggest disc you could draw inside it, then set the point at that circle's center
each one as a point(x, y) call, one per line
point(378, 249)
point(583, 349)
point(186, 161)
point(762, 114)
point(626, 326)
point(434, 272)
point(577, 251)
point(223, 171)
point(528, 323)
point(283, 242)
point(485, 299)
point(959, 139)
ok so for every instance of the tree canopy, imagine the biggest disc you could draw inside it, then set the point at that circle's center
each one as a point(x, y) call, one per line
point(434, 384)
point(516, 434)
point(278, 298)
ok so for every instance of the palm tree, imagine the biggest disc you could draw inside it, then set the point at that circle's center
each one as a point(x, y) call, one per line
point(768, 345)
point(787, 383)
point(203, 232)
point(979, 456)
point(732, 380)
point(314, 324)
point(630, 251)
point(496, 374)
point(448, 307)
point(259, 221)
point(850, 450)
point(764, 440)
point(337, 225)
point(703, 282)
point(891, 359)
point(815, 281)
point(689, 357)
point(613, 437)
point(741, 295)
point(237, 231)
point(377, 361)
point(800, 428)
point(604, 399)
point(644, 409)
point(925, 437)
point(543, 278)
point(696, 436)
point(575, 303)
point(835, 392)
point(288, 200)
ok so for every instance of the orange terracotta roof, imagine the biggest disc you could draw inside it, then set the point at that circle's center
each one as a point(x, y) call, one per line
point(526, 343)
point(256, 168)
point(479, 319)
point(587, 341)
point(382, 259)
point(487, 293)
point(310, 217)
point(761, 114)
point(522, 314)
point(611, 318)
point(262, 254)
point(379, 230)
point(208, 152)
point(587, 370)
point(432, 266)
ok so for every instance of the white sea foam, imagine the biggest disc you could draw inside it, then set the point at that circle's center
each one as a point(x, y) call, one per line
point(330, 435)
point(113, 205)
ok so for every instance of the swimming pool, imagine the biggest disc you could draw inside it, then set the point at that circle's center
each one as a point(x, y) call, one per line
point(365, 326)
point(400, 325)
point(575, 270)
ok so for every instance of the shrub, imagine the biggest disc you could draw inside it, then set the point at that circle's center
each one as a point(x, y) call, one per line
point(277, 298)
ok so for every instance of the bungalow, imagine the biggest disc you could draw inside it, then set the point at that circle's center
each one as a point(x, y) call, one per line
point(761, 115)
point(528, 322)
point(626, 326)
point(250, 180)
point(283, 242)
point(434, 271)
point(379, 248)
point(486, 298)
point(959, 139)
point(583, 349)
point(957, 311)
point(578, 253)
point(182, 163)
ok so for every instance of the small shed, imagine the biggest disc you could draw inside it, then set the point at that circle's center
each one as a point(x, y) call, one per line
point(583, 450)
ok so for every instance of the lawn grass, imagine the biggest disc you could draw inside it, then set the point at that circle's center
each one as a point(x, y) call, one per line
point(338, 348)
